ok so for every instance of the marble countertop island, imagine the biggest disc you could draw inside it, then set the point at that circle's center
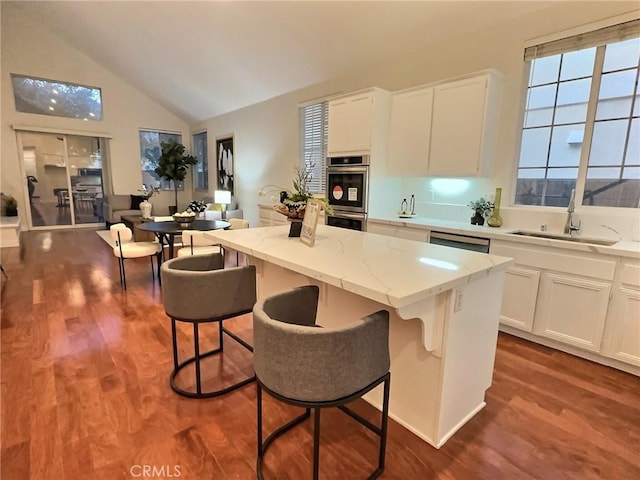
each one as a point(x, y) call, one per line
point(444, 307)
point(391, 271)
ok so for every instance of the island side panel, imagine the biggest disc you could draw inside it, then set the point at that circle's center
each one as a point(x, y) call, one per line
point(469, 348)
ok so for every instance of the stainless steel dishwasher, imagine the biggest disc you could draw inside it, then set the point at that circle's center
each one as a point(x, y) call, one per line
point(466, 242)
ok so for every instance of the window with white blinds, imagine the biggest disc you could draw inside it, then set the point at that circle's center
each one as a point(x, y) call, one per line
point(313, 143)
point(581, 126)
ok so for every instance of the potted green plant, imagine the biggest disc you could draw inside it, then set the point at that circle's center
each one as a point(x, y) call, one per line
point(481, 209)
point(9, 206)
point(173, 165)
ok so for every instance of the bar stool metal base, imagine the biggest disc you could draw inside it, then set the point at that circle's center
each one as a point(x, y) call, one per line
point(317, 406)
point(178, 366)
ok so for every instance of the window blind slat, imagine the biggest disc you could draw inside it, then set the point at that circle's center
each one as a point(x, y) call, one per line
point(313, 141)
point(614, 33)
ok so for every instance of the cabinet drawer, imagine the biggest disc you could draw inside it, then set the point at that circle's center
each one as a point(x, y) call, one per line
point(566, 262)
point(630, 275)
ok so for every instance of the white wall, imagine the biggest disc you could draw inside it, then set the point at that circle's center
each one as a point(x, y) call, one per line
point(267, 134)
point(30, 49)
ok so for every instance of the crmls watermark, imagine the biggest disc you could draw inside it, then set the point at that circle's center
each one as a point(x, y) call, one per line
point(155, 471)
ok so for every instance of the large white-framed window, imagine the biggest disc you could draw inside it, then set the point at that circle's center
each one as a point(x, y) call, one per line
point(314, 120)
point(150, 150)
point(200, 169)
point(581, 126)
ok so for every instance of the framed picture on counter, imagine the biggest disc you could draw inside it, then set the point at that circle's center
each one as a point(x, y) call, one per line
point(310, 222)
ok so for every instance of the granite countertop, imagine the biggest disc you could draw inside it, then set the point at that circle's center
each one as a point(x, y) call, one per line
point(621, 248)
point(392, 271)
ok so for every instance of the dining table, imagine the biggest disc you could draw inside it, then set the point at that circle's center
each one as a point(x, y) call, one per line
point(167, 231)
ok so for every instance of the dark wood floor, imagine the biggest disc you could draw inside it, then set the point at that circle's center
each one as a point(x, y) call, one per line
point(85, 395)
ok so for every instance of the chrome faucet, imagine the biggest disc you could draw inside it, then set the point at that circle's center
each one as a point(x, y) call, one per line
point(569, 226)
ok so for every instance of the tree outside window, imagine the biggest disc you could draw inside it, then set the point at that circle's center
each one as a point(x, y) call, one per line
point(56, 98)
point(150, 153)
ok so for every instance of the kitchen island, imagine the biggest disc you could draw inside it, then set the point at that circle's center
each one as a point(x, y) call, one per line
point(444, 305)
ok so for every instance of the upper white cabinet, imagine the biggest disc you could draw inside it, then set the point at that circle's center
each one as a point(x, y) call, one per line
point(410, 132)
point(357, 122)
point(446, 129)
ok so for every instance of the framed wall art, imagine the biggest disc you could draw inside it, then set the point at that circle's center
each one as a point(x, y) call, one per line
point(225, 164)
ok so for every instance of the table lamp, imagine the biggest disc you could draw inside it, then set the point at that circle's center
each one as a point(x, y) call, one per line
point(223, 197)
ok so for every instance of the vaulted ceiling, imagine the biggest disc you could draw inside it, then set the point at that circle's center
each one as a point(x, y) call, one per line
point(202, 59)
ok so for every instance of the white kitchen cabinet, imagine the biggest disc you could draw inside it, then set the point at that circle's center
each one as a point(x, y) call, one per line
point(416, 234)
point(464, 126)
point(338, 128)
point(622, 340)
point(269, 217)
point(519, 297)
point(449, 128)
point(410, 132)
point(357, 121)
point(572, 310)
point(408, 233)
point(381, 229)
point(555, 293)
point(626, 316)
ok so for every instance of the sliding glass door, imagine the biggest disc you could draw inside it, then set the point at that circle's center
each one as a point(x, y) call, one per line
point(63, 178)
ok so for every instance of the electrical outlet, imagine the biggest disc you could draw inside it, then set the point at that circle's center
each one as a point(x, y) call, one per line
point(457, 304)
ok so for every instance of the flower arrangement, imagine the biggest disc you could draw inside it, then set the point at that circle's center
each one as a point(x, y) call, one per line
point(294, 202)
point(481, 207)
point(197, 206)
point(148, 192)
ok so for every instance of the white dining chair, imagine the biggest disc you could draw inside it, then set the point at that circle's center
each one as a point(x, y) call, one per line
point(126, 248)
point(177, 239)
point(196, 243)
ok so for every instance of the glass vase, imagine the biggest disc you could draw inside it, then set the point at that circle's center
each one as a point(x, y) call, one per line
point(495, 220)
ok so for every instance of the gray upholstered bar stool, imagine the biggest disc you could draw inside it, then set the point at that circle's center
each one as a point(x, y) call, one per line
point(197, 289)
point(303, 365)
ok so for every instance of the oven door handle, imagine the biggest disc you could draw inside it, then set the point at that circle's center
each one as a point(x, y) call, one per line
point(350, 169)
point(353, 216)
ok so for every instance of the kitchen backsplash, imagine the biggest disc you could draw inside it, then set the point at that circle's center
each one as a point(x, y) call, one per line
point(447, 199)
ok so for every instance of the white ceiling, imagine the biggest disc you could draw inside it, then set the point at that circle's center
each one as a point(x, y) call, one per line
point(202, 59)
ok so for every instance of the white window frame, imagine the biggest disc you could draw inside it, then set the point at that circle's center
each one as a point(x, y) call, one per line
point(628, 28)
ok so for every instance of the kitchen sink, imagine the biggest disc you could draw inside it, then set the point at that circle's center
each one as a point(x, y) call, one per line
point(566, 238)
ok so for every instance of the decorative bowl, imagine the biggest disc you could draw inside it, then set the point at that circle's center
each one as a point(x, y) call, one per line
point(183, 220)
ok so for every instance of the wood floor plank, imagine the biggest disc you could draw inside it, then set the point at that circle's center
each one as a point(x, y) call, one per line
point(15, 462)
point(85, 394)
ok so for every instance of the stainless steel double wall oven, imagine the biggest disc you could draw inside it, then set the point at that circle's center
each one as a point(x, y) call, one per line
point(348, 191)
